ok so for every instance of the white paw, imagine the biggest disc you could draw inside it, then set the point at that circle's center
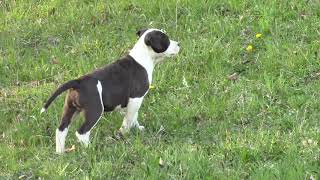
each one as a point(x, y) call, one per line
point(84, 138)
point(60, 140)
point(59, 150)
point(124, 130)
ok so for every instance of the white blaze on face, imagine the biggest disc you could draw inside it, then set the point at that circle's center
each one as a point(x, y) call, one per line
point(173, 49)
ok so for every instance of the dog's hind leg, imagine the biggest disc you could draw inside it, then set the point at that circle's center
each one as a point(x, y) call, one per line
point(93, 110)
point(61, 133)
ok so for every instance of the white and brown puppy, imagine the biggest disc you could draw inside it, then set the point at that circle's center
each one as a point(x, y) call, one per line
point(123, 83)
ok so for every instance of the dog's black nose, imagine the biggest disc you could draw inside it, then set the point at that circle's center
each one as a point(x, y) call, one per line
point(178, 44)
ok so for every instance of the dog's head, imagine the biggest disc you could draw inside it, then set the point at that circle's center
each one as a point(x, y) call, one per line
point(158, 43)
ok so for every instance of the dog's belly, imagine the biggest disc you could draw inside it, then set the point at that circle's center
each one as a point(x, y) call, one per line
point(112, 108)
point(114, 98)
point(117, 108)
point(120, 109)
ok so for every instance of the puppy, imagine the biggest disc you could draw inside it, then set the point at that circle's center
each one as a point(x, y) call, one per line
point(122, 84)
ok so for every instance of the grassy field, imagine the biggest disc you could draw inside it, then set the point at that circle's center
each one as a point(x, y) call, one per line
point(240, 101)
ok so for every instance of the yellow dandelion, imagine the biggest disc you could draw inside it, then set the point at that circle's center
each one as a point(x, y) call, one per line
point(258, 35)
point(151, 86)
point(249, 48)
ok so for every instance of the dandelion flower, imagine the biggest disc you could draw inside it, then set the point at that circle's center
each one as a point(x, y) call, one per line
point(249, 48)
point(258, 35)
point(151, 87)
point(161, 162)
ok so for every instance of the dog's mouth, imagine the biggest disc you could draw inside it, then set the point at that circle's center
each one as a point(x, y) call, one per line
point(172, 54)
point(175, 53)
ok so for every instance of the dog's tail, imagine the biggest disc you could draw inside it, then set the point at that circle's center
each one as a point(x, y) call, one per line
point(68, 85)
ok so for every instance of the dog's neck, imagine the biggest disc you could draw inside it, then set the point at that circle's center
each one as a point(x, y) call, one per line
point(141, 54)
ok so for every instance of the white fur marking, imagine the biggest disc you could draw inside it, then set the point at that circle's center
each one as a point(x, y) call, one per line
point(117, 108)
point(120, 109)
point(143, 55)
point(99, 87)
point(173, 49)
point(60, 140)
point(42, 110)
point(130, 119)
point(84, 138)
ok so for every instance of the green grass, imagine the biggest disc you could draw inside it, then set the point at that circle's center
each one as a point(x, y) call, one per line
point(263, 125)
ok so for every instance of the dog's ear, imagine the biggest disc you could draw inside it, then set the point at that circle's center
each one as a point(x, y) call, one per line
point(157, 40)
point(140, 32)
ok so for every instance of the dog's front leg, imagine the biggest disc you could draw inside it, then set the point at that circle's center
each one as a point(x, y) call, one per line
point(135, 122)
point(131, 117)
